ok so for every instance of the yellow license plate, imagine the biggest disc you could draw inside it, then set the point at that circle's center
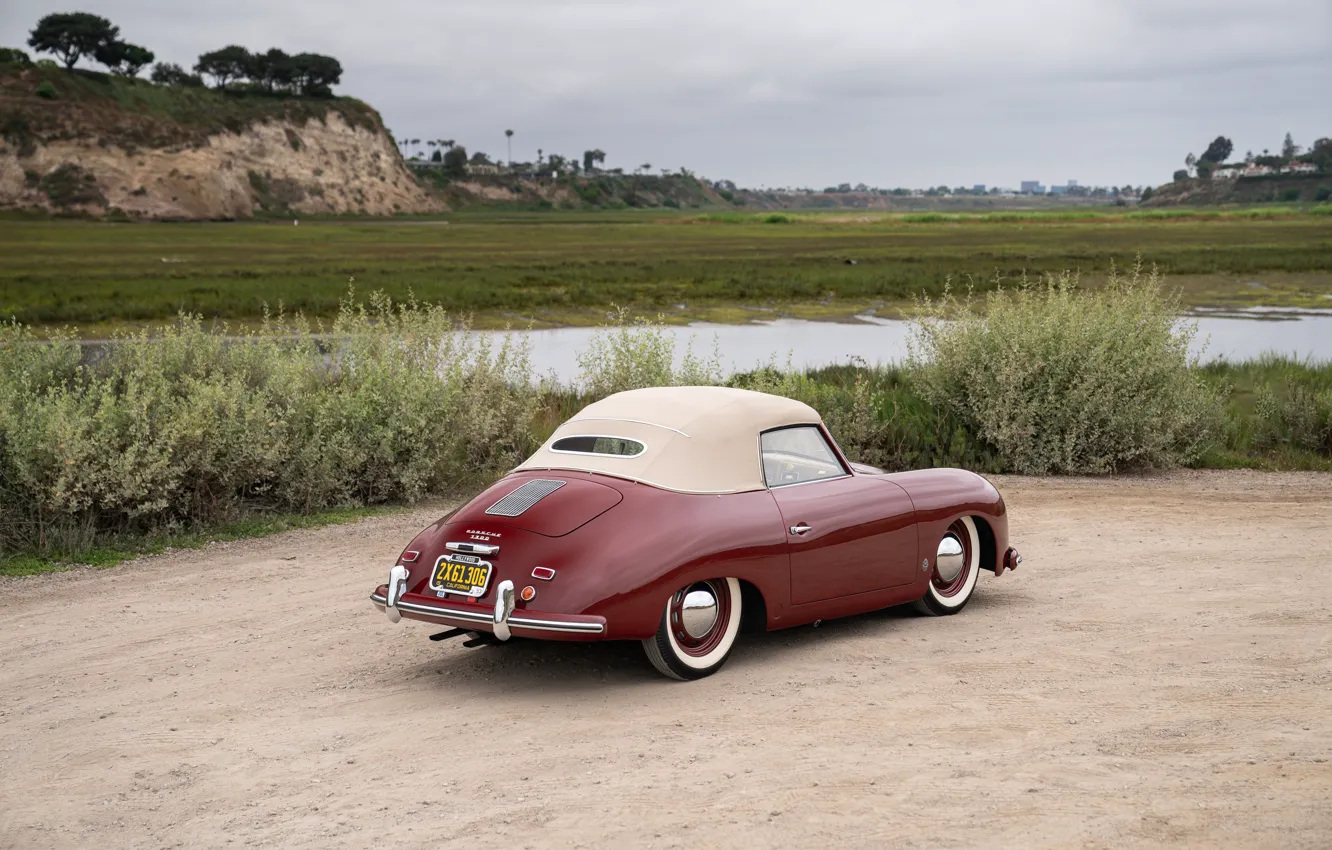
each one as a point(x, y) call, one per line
point(462, 574)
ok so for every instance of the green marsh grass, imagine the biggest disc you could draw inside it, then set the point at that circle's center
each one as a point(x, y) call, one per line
point(515, 267)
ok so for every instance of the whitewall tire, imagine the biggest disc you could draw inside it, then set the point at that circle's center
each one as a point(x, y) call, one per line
point(956, 566)
point(697, 629)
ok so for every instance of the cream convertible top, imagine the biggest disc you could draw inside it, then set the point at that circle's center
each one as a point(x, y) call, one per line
point(698, 439)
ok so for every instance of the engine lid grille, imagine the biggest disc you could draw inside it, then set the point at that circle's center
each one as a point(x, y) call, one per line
point(515, 503)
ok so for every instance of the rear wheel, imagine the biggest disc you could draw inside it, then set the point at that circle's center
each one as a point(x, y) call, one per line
point(697, 629)
point(956, 568)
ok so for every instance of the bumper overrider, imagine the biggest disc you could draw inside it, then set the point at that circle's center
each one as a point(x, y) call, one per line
point(502, 620)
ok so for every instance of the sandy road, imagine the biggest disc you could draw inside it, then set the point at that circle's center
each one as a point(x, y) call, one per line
point(1159, 673)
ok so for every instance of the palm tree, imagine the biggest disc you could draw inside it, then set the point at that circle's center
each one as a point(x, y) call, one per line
point(448, 143)
point(508, 137)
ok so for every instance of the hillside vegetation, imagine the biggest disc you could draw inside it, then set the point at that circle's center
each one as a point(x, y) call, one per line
point(598, 191)
point(1283, 188)
point(90, 143)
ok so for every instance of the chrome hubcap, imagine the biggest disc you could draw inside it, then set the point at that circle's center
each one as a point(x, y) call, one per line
point(698, 613)
point(950, 560)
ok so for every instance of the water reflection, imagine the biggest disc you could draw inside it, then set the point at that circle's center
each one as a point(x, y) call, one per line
point(1224, 333)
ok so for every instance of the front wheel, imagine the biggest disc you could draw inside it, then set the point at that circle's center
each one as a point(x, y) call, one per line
point(697, 629)
point(956, 567)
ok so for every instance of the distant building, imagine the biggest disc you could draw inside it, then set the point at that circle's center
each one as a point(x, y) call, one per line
point(979, 188)
point(1072, 184)
point(1252, 170)
point(482, 168)
point(1300, 168)
point(1228, 172)
point(1058, 190)
point(1032, 187)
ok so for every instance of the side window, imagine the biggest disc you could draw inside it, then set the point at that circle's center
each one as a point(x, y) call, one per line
point(796, 455)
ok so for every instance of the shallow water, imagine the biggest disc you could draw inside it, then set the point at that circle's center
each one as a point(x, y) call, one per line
point(1307, 334)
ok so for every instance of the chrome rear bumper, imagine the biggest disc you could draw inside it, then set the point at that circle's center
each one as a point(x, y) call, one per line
point(500, 621)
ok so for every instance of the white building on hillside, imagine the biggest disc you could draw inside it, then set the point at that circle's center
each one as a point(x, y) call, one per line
point(1300, 168)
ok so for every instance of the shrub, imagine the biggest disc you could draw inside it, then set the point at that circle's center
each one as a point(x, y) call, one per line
point(185, 427)
point(630, 354)
point(46, 90)
point(71, 185)
point(1300, 418)
point(1061, 380)
point(1322, 193)
point(877, 417)
point(13, 56)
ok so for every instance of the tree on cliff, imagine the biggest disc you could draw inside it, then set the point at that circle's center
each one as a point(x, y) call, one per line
point(1320, 153)
point(1217, 151)
point(73, 35)
point(124, 59)
point(229, 63)
point(1289, 150)
point(171, 74)
point(313, 74)
point(592, 158)
point(455, 160)
point(272, 70)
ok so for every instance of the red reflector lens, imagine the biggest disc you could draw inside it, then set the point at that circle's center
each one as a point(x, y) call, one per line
point(528, 594)
point(410, 557)
point(543, 573)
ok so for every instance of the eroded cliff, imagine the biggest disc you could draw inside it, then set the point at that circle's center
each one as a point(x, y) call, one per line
point(129, 148)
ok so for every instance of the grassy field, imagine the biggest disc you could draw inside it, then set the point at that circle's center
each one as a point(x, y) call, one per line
point(568, 267)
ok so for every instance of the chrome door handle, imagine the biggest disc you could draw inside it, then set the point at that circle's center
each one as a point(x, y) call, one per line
point(800, 529)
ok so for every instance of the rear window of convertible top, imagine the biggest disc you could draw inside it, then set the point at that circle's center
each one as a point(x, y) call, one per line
point(608, 446)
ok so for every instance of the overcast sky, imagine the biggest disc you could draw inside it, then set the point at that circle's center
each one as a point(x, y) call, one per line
point(800, 92)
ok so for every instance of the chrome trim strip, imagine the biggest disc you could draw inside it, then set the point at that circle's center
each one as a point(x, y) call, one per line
point(487, 617)
point(556, 626)
point(466, 548)
point(634, 421)
point(811, 481)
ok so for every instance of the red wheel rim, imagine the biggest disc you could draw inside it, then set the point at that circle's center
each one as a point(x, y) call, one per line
point(706, 643)
point(958, 530)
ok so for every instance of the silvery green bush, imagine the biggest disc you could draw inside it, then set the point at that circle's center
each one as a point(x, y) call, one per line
point(187, 426)
point(630, 354)
point(1065, 380)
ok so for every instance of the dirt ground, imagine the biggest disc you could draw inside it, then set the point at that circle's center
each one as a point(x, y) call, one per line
point(1158, 673)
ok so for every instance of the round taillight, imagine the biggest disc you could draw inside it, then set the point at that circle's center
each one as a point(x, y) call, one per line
point(528, 594)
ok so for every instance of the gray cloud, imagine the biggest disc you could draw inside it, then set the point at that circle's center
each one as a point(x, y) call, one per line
point(797, 91)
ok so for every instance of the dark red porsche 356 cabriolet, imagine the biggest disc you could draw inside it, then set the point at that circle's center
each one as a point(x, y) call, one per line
point(674, 516)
